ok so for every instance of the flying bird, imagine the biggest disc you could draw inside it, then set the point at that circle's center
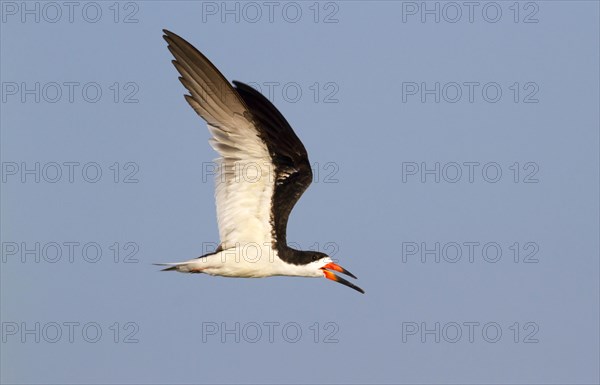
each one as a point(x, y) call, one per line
point(263, 169)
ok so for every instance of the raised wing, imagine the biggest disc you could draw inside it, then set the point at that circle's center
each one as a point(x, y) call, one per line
point(263, 168)
point(243, 199)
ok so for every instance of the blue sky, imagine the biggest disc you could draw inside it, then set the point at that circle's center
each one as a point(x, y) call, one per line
point(455, 153)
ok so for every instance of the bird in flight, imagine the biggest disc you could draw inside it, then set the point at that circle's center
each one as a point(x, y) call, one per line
point(262, 171)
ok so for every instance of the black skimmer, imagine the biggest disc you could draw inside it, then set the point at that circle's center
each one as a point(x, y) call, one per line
point(263, 170)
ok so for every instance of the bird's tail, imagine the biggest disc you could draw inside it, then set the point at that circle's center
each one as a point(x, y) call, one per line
point(182, 267)
point(196, 265)
point(170, 268)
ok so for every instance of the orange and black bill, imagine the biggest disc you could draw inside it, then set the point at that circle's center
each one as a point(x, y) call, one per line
point(333, 277)
point(338, 268)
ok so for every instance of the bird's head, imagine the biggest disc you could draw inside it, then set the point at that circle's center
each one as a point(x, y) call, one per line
point(325, 266)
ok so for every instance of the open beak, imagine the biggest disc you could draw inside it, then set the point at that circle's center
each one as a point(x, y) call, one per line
point(333, 277)
point(338, 268)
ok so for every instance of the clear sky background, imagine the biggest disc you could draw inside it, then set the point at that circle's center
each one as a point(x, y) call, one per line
point(471, 221)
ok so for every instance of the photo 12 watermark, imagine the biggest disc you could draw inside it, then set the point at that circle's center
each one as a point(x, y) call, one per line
point(470, 92)
point(70, 172)
point(270, 12)
point(70, 332)
point(70, 92)
point(470, 12)
point(470, 172)
point(260, 252)
point(270, 332)
point(69, 252)
point(330, 248)
point(470, 252)
point(470, 332)
point(70, 12)
point(263, 171)
point(298, 91)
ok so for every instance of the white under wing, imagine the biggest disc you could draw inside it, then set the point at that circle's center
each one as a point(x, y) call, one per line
point(243, 185)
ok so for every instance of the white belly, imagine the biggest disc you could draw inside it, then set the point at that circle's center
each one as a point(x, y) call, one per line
point(250, 260)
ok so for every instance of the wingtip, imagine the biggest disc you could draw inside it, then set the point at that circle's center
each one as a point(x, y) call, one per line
point(240, 84)
point(170, 37)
